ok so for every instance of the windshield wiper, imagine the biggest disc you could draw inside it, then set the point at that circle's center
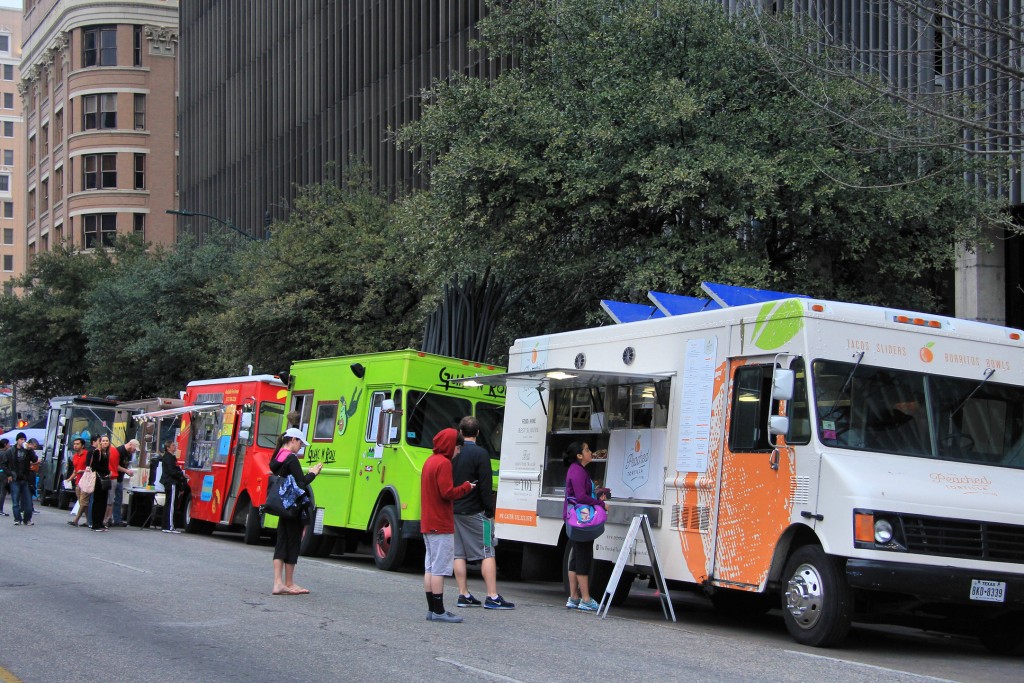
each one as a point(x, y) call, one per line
point(846, 385)
point(988, 373)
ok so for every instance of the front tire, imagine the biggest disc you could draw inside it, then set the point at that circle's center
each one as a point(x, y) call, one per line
point(386, 539)
point(1003, 635)
point(253, 525)
point(817, 602)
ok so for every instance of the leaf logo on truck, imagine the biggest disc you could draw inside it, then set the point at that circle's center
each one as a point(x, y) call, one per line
point(346, 411)
point(777, 322)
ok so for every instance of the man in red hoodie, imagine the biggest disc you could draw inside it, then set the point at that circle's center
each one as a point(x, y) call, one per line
point(437, 522)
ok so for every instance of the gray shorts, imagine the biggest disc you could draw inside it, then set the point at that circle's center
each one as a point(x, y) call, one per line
point(474, 537)
point(440, 554)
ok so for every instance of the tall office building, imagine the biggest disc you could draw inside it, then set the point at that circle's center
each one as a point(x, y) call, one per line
point(272, 91)
point(12, 147)
point(99, 80)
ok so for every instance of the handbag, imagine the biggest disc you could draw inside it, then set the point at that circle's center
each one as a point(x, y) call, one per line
point(88, 481)
point(584, 522)
point(103, 483)
point(284, 497)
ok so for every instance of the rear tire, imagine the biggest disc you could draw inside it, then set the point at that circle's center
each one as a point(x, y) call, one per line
point(196, 526)
point(817, 602)
point(386, 539)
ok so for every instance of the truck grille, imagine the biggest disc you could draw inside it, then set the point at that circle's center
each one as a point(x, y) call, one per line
point(961, 538)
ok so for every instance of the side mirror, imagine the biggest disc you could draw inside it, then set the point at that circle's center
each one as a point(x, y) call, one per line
point(778, 425)
point(782, 384)
point(246, 422)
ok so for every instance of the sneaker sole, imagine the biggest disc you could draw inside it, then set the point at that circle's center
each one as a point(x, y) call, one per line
point(498, 607)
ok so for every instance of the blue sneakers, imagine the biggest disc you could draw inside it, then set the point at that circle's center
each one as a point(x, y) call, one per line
point(447, 617)
point(588, 605)
point(498, 603)
point(572, 603)
point(468, 601)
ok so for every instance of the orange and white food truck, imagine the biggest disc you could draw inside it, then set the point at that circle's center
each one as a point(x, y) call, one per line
point(839, 461)
point(229, 428)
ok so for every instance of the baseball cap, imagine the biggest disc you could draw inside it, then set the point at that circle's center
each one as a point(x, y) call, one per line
point(296, 433)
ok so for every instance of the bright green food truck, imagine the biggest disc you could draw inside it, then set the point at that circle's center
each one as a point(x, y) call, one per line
point(371, 420)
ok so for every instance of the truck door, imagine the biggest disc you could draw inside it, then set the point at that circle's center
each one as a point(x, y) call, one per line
point(372, 460)
point(759, 484)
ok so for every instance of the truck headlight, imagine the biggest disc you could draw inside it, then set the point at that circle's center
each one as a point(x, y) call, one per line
point(883, 531)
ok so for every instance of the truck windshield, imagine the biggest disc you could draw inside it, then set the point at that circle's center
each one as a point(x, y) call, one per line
point(93, 420)
point(908, 413)
point(427, 414)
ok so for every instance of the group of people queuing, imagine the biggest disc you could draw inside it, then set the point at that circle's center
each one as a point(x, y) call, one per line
point(18, 466)
point(103, 506)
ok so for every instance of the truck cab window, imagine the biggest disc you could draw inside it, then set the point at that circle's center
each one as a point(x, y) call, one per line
point(269, 425)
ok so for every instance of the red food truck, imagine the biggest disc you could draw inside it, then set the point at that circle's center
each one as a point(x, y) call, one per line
point(228, 432)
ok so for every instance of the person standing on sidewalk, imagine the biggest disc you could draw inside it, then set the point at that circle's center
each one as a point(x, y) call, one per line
point(474, 519)
point(437, 524)
point(123, 458)
point(102, 461)
point(4, 445)
point(78, 458)
point(173, 479)
point(21, 477)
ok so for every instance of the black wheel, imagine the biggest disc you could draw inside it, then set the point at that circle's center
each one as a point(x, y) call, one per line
point(310, 544)
point(1003, 635)
point(600, 574)
point(817, 605)
point(253, 525)
point(195, 526)
point(740, 604)
point(386, 539)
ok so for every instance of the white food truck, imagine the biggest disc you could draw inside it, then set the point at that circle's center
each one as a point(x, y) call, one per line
point(839, 461)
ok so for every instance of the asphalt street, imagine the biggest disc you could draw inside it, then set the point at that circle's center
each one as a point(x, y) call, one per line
point(139, 605)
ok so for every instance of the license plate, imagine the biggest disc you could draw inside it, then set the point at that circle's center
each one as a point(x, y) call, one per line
point(988, 591)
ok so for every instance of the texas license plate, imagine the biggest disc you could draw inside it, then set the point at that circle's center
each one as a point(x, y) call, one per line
point(988, 591)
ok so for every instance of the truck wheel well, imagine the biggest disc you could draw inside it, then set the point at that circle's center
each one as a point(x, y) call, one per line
point(796, 536)
point(386, 497)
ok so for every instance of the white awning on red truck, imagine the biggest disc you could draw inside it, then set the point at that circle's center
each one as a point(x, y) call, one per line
point(170, 412)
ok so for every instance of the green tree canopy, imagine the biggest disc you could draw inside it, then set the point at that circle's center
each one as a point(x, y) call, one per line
point(648, 145)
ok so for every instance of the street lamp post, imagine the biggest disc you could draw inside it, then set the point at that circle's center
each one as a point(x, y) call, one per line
point(227, 224)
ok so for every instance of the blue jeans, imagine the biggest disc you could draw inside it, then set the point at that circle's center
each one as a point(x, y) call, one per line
point(118, 498)
point(21, 494)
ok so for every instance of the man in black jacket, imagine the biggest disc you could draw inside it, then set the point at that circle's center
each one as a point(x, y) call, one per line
point(173, 479)
point(4, 443)
point(474, 519)
point(21, 477)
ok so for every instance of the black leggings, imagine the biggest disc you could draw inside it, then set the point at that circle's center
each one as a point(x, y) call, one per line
point(581, 557)
point(289, 536)
point(99, 505)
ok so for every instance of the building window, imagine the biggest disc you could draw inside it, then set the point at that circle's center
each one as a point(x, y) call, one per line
point(5, 44)
point(44, 195)
point(31, 205)
point(8, 209)
point(137, 46)
point(8, 157)
point(99, 111)
point(58, 69)
point(44, 141)
point(5, 182)
point(8, 262)
point(8, 129)
point(8, 100)
point(58, 185)
point(99, 171)
point(8, 72)
point(32, 150)
point(140, 225)
point(8, 236)
point(58, 127)
point(140, 171)
point(99, 46)
point(140, 112)
point(99, 230)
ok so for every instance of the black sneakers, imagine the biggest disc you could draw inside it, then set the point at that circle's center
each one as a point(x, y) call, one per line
point(498, 603)
point(468, 601)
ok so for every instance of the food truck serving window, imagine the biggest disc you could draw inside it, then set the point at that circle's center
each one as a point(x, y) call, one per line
point(326, 417)
point(269, 426)
point(427, 414)
point(491, 418)
point(203, 443)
